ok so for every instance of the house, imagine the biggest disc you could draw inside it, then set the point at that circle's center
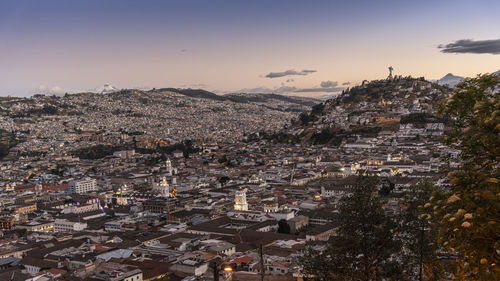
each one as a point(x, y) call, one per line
point(34, 265)
point(321, 232)
point(298, 223)
point(190, 266)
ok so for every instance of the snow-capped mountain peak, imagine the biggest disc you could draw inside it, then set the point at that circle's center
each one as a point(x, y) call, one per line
point(106, 88)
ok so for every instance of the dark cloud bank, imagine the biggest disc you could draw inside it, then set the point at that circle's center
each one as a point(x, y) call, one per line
point(290, 72)
point(472, 47)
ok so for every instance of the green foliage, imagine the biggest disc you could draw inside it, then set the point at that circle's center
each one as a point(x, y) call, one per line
point(223, 180)
point(420, 118)
point(4, 150)
point(7, 140)
point(96, 152)
point(223, 159)
point(468, 216)
point(187, 147)
point(283, 227)
point(365, 247)
point(420, 236)
point(328, 135)
point(45, 110)
point(318, 109)
point(386, 188)
point(306, 118)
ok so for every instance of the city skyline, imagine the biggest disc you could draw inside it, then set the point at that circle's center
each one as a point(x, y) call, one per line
point(287, 47)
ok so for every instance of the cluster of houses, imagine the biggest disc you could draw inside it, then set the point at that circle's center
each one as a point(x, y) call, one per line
point(233, 209)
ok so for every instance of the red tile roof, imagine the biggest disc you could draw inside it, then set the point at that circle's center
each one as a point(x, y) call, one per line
point(243, 259)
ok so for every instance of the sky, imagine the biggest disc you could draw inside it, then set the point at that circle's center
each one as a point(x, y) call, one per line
point(291, 47)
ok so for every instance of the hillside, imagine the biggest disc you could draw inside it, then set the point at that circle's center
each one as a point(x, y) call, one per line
point(367, 110)
point(243, 97)
point(146, 117)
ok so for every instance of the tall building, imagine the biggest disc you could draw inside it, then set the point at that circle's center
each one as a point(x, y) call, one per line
point(168, 166)
point(82, 186)
point(240, 200)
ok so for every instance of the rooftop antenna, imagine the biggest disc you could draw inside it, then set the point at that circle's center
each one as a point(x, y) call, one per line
point(390, 73)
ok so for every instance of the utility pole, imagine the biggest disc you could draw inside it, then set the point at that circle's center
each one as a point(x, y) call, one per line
point(216, 271)
point(421, 261)
point(262, 271)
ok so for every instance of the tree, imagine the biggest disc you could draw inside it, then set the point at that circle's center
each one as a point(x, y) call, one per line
point(223, 159)
point(468, 215)
point(223, 180)
point(365, 247)
point(386, 188)
point(283, 226)
point(420, 236)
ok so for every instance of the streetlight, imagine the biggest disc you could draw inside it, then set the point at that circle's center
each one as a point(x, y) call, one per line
point(228, 268)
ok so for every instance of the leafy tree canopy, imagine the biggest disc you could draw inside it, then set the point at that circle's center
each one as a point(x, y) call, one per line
point(468, 215)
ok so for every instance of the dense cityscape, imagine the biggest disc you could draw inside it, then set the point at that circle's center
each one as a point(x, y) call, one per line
point(249, 140)
point(88, 196)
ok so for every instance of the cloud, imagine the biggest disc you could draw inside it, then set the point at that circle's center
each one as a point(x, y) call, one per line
point(326, 87)
point(329, 84)
point(319, 90)
point(55, 90)
point(290, 72)
point(472, 47)
point(196, 85)
point(308, 71)
point(265, 90)
point(143, 88)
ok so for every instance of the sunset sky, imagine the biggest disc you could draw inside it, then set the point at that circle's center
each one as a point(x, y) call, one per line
point(294, 47)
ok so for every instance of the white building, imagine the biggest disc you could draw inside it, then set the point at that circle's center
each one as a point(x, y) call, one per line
point(282, 215)
point(124, 154)
point(240, 200)
point(170, 169)
point(82, 186)
point(191, 266)
point(63, 225)
point(162, 187)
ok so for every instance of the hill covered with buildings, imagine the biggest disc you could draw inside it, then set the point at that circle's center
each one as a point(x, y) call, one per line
point(373, 108)
point(147, 118)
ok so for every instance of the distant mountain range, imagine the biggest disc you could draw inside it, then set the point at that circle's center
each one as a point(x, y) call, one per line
point(450, 80)
point(105, 89)
point(242, 98)
point(202, 94)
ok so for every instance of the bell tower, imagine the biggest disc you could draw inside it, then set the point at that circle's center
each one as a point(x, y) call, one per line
point(240, 200)
point(168, 167)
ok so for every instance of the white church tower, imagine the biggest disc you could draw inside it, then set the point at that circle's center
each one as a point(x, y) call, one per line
point(168, 167)
point(240, 200)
